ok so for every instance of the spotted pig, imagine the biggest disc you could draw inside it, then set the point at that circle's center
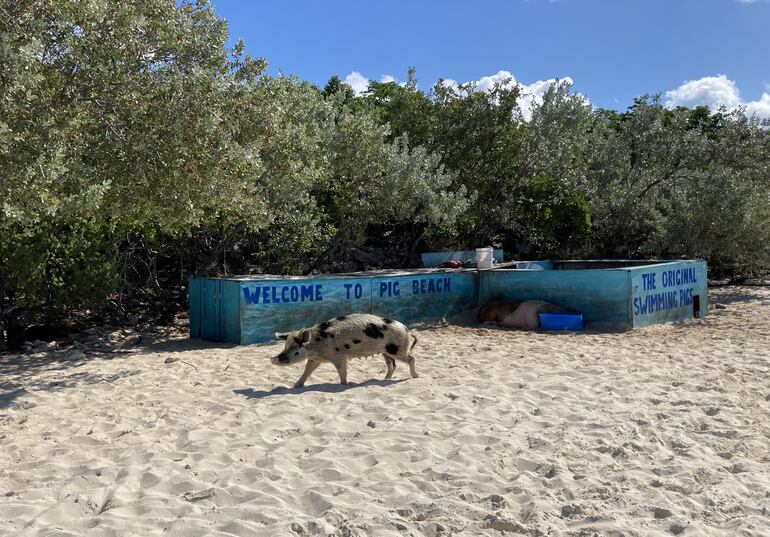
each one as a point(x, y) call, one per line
point(352, 336)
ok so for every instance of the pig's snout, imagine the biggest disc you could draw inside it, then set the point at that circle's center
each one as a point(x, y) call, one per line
point(281, 359)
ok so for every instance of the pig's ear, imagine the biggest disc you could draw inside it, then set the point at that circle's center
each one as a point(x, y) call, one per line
point(282, 336)
point(304, 336)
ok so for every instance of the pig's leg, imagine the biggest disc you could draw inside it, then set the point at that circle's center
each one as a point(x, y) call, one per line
point(342, 369)
point(412, 370)
point(391, 363)
point(310, 366)
point(407, 359)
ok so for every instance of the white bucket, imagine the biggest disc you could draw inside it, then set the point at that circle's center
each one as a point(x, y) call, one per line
point(484, 258)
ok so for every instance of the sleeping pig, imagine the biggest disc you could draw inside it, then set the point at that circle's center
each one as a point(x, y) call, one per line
point(351, 336)
point(514, 314)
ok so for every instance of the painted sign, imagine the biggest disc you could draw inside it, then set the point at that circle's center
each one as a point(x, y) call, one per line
point(269, 306)
point(252, 310)
point(668, 292)
point(418, 298)
point(282, 294)
point(634, 296)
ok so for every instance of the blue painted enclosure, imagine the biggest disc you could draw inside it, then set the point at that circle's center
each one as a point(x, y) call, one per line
point(251, 309)
point(629, 293)
point(434, 259)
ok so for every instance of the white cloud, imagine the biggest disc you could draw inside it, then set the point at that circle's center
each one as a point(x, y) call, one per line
point(450, 84)
point(761, 107)
point(714, 92)
point(360, 83)
point(357, 81)
point(487, 83)
point(531, 94)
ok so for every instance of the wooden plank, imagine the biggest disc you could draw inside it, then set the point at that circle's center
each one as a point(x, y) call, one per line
point(603, 263)
point(194, 299)
point(210, 328)
point(230, 311)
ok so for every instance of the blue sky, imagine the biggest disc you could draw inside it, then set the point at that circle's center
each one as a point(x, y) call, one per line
point(691, 51)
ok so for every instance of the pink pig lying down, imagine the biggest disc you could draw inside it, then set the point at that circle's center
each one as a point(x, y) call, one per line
point(351, 336)
point(514, 314)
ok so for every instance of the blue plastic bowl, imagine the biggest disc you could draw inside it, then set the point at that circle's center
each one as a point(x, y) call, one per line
point(561, 321)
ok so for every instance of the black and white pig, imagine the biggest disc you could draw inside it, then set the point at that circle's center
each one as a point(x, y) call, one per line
point(351, 336)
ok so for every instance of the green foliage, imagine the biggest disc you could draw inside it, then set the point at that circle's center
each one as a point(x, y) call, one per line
point(337, 173)
point(337, 88)
point(136, 149)
point(670, 183)
point(125, 115)
point(123, 108)
point(405, 109)
point(518, 174)
point(55, 266)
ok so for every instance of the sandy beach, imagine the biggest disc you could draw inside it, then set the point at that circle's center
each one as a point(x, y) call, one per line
point(660, 431)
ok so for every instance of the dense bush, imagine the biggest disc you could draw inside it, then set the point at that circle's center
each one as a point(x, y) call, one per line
point(681, 183)
point(137, 150)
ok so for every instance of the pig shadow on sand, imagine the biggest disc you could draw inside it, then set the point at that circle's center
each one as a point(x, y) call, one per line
point(328, 387)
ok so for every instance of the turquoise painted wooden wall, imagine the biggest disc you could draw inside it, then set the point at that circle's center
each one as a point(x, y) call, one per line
point(600, 295)
point(668, 292)
point(258, 308)
point(631, 296)
point(252, 310)
point(270, 306)
point(425, 297)
point(214, 309)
